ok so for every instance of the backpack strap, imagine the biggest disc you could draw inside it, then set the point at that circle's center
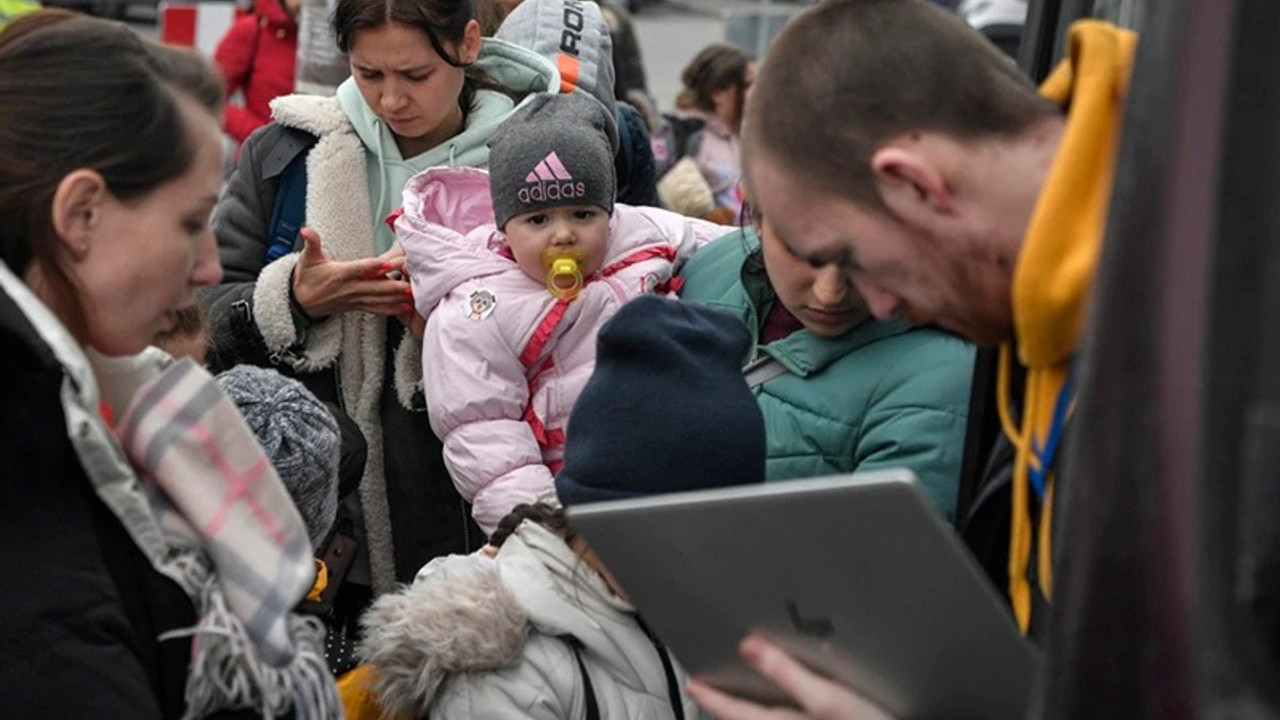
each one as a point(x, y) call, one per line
point(593, 707)
point(673, 686)
point(762, 370)
point(290, 209)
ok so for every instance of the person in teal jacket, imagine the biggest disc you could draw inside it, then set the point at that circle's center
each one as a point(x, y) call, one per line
point(840, 391)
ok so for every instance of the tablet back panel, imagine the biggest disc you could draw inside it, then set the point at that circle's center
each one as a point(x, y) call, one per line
point(856, 575)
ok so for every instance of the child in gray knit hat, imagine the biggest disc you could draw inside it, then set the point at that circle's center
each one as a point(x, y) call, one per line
point(551, 178)
point(304, 440)
point(578, 169)
point(299, 435)
point(515, 271)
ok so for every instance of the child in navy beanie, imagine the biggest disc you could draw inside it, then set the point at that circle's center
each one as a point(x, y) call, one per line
point(667, 408)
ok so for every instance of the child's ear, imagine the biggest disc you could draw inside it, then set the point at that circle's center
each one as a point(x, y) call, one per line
point(498, 242)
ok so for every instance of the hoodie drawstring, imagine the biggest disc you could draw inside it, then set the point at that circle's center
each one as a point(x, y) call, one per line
point(382, 168)
point(1048, 402)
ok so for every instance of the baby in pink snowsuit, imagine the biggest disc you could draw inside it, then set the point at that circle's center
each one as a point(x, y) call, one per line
point(511, 335)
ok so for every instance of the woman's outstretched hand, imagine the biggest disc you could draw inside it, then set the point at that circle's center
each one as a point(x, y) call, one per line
point(818, 697)
point(324, 287)
point(416, 324)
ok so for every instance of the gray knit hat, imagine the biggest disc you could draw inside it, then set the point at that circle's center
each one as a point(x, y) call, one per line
point(554, 151)
point(300, 437)
point(574, 36)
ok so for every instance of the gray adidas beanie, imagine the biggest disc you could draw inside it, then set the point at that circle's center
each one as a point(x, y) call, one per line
point(300, 437)
point(554, 151)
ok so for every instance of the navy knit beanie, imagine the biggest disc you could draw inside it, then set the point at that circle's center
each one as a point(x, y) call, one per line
point(667, 408)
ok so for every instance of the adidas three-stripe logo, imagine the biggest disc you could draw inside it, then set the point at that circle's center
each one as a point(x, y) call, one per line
point(551, 181)
point(549, 169)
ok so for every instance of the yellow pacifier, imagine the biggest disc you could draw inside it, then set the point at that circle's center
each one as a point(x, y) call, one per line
point(564, 272)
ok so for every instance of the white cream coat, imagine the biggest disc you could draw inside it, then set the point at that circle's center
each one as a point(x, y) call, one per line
point(475, 637)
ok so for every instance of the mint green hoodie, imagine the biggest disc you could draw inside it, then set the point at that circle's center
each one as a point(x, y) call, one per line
point(523, 71)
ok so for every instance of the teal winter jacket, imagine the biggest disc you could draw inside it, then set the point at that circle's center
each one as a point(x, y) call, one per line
point(883, 395)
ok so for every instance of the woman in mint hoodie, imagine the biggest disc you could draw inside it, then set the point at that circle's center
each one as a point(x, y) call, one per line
point(334, 309)
point(839, 390)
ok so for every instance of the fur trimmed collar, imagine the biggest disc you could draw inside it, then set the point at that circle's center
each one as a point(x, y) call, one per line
point(318, 115)
point(457, 617)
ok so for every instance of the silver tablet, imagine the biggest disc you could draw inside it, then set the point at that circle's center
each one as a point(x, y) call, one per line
point(856, 575)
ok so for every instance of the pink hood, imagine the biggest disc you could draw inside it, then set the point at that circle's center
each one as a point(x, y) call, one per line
point(448, 232)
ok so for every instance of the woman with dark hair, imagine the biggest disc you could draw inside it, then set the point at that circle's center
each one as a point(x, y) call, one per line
point(329, 303)
point(704, 129)
point(715, 84)
point(126, 601)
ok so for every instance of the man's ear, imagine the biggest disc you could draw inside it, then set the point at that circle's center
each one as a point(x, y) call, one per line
point(77, 209)
point(471, 42)
point(911, 185)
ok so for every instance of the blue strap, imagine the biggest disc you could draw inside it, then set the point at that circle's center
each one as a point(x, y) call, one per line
point(1046, 455)
point(290, 210)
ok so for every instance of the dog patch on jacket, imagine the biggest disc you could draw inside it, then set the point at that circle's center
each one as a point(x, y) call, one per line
point(479, 304)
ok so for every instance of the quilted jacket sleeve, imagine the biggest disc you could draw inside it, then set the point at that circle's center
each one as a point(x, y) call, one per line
point(543, 685)
point(240, 224)
point(686, 234)
point(476, 392)
point(917, 416)
point(249, 314)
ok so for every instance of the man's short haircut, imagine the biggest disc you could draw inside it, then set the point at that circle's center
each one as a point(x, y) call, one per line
point(847, 75)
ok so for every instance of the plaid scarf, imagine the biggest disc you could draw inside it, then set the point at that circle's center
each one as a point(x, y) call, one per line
point(240, 549)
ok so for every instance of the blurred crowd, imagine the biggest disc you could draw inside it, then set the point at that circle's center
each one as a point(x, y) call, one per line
point(299, 441)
